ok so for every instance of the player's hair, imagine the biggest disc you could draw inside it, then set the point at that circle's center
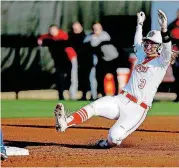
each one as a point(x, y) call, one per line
point(71, 25)
point(78, 22)
point(95, 22)
point(53, 25)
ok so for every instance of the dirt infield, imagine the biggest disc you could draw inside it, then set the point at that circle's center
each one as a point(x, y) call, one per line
point(155, 143)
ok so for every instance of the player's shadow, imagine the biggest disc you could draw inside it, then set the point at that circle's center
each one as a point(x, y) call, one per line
point(85, 127)
point(23, 144)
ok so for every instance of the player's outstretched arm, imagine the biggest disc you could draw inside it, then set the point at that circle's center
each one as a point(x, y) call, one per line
point(162, 19)
point(166, 51)
point(138, 35)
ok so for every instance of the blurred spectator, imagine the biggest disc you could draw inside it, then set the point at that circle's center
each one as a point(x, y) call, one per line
point(174, 33)
point(84, 56)
point(65, 59)
point(175, 54)
point(107, 54)
point(174, 30)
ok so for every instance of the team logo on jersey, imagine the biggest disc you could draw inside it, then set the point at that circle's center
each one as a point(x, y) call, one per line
point(141, 68)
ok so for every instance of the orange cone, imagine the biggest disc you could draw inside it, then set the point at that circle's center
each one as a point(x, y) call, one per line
point(109, 84)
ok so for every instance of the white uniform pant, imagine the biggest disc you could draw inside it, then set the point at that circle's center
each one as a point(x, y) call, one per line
point(129, 115)
point(74, 79)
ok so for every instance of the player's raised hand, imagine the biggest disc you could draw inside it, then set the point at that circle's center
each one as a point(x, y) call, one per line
point(162, 19)
point(140, 18)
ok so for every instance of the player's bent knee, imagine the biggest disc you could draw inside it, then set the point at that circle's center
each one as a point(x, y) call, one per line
point(102, 101)
point(116, 136)
point(105, 105)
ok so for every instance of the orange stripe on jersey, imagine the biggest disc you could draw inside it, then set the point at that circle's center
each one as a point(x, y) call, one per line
point(146, 60)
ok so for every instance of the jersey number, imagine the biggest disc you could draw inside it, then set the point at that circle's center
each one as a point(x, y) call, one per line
point(142, 83)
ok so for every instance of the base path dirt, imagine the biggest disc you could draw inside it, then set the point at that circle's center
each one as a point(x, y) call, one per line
point(155, 143)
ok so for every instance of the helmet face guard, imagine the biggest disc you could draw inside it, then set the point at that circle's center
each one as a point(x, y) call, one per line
point(153, 43)
point(151, 47)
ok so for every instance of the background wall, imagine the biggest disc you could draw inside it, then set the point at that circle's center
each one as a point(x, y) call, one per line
point(169, 7)
point(35, 16)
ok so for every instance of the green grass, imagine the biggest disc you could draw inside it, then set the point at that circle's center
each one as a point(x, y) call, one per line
point(44, 108)
point(34, 108)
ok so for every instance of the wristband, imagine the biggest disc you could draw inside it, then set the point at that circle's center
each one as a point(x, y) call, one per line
point(165, 37)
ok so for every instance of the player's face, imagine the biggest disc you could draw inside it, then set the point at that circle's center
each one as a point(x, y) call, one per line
point(77, 28)
point(173, 57)
point(53, 31)
point(150, 48)
point(97, 29)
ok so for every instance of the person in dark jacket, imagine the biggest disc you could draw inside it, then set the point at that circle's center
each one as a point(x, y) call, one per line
point(64, 58)
point(174, 30)
point(107, 54)
point(175, 62)
point(84, 57)
point(174, 33)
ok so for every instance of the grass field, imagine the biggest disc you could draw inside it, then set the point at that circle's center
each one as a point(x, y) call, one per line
point(44, 108)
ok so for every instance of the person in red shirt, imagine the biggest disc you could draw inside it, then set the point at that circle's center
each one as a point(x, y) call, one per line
point(174, 30)
point(175, 63)
point(65, 59)
point(85, 58)
point(174, 33)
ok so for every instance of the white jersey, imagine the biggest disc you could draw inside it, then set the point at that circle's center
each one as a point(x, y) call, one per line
point(147, 75)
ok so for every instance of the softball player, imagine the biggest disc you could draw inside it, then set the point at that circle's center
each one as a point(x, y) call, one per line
point(131, 105)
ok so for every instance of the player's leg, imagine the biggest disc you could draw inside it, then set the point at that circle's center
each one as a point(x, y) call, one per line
point(114, 66)
point(100, 74)
point(60, 80)
point(74, 79)
point(3, 150)
point(131, 117)
point(105, 107)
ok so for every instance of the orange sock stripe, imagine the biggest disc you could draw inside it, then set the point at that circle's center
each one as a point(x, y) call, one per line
point(85, 113)
point(81, 112)
point(79, 117)
point(82, 117)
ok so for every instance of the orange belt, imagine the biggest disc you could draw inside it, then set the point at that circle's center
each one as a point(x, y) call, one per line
point(134, 99)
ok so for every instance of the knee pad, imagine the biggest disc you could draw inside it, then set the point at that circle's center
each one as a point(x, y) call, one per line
point(116, 135)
